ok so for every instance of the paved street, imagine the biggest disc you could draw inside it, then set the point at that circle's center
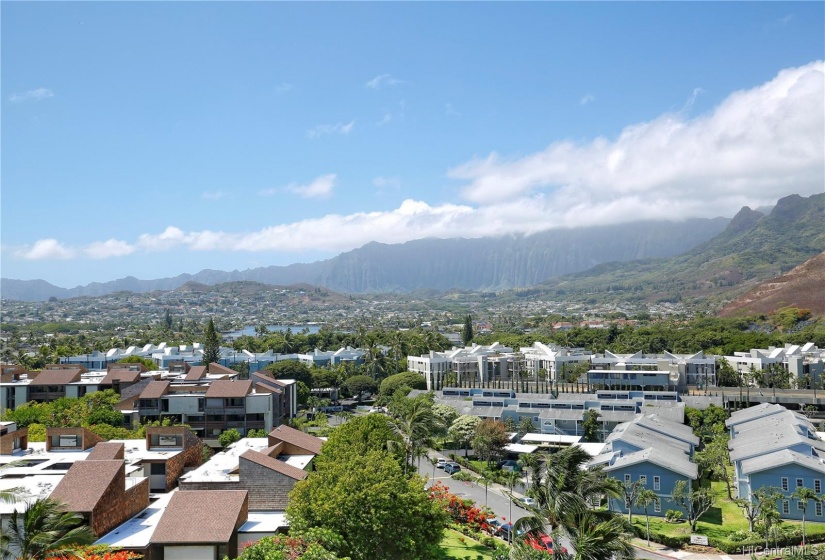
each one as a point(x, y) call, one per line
point(497, 500)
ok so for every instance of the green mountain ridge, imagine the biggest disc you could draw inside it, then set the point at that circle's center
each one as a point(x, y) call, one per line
point(754, 247)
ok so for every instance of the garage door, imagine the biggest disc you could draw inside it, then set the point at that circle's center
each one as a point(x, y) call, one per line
point(189, 553)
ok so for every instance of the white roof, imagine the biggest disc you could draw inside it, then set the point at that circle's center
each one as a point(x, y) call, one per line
point(592, 449)
point(137, 531)
point(520, 448)
point(218, 468)
point(551, 438)
point(264, 522)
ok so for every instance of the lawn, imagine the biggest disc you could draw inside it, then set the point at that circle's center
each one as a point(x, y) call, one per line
point(453, 547)
point(722, 519)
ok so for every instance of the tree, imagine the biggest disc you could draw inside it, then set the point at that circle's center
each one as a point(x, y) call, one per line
point(804, 495)
point(167, 320)
point(591, 426)
point(446, 414)
point(713, 460)
point(410, 379)
point(595, 537)
point(302, 393)
point(760, 499)
point(358, 384)
point(525, 426)
point(463, 429)
point(644, 499)
point(291, 369)
point(366, 499)
point(228, 437)
point(148, 362)
point(510, 424)
point(211, 344)
point(314, 544)
point(490, 439)
point(361, 435)
point(467, 330)
point(416, 425)
point(631, 491)
point(694, 502)
point(42, 530)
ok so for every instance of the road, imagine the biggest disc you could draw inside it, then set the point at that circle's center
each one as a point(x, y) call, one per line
point(496, 499)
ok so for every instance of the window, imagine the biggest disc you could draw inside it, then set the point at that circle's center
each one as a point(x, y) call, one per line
point(656, 482)
point(818, 509)
point(643, 480)
point(657, 506)
point(627, 478)
point(799, 483)
point(157, 468)
point(800, 506)
point(818, 486)
point(786, 507)
point(784, 484)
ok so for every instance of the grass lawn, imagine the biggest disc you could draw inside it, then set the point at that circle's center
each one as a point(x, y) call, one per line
point(452, 547)
point(723, 518)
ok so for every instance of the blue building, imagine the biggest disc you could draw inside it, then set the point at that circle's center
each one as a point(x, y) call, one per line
point(654, 452)
point(772, 446)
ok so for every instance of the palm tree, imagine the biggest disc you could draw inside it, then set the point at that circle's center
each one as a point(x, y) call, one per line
point(511, 478)
point(416, 425)
point(487, 476)
point(644, 499)
point(44, 529)
point(594, 538)
point(804, 495)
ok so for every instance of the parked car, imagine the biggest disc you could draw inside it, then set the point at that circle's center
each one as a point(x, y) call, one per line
point(494, 526)
point(439, 464)
point(507, 530)
point(545, 543)
point(452, 468)
point(526, 502)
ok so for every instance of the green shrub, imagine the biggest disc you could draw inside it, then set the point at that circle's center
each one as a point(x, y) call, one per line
point(673, 516)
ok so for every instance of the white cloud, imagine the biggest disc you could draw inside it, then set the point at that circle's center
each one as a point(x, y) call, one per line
point(589, 98)
point(321, 187)
point(32, 95)
point(50, 249)
point(756, 146)
point(107, 249)
point(326, 129)
point(387, 182)
point(383, 80)
point(283, 88)
point(387, 119)
point(213, 195)
point(450, 111)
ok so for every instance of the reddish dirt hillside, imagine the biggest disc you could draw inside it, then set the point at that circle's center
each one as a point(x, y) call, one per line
point(802, 287)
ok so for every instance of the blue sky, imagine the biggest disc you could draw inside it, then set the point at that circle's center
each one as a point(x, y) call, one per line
point(154, 138)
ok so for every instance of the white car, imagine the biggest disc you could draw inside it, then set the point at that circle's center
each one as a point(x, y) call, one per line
point(526, 502)
point(439, 464)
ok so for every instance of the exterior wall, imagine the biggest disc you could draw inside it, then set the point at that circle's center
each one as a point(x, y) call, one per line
point(18, 439)
point(90, 439)
point(667, 481)
point(117, 505)
point(194, 552)
point(268, 490)
point(773, 477)
point(191, 456)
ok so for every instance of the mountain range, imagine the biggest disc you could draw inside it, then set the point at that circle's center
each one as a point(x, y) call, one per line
point(752, 248)
point(494, 263)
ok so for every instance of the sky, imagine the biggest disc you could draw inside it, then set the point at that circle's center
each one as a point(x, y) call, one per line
point(150, 139)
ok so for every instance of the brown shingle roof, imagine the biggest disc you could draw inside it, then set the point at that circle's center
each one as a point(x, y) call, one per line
point(225, 389)
point(122, 375)
point(274, 464)
point(195, 373)
point(201, 516)
point(297, 438)
point(106, 451)
point(263, 388)
point(56, 377)
point(154, 390)
point(85, 483)
point(215, 369)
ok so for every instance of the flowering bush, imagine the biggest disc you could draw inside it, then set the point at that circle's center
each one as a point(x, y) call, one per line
point(463, 512)
point(98, 552)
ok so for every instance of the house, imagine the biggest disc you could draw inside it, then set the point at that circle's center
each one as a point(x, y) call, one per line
point(802, 361)
point(99, 489)
point(771, 446)
point(200, 525)
point(651, 451)
point(12, 438)
point(267, 467)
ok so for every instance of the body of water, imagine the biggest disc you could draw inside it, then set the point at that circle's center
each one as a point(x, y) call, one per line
point(250, 331)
